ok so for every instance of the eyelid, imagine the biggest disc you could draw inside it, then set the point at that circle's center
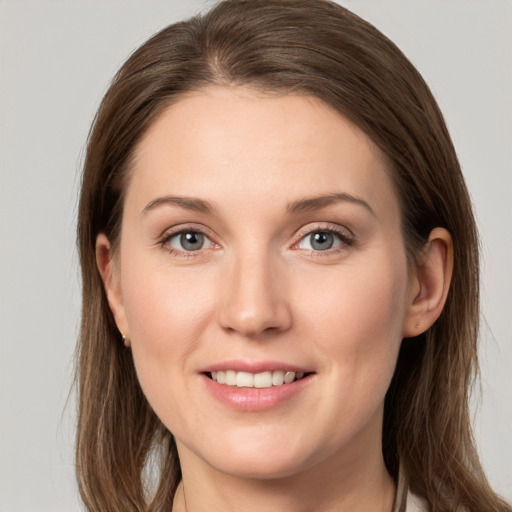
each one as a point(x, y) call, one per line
point(187, 226)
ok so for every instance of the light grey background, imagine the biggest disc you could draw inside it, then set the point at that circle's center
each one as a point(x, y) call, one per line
point(56, 59)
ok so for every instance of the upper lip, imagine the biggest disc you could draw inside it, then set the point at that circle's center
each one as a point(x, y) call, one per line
point(254, 367)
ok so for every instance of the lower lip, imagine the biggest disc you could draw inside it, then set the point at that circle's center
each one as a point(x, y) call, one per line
point(255, 399)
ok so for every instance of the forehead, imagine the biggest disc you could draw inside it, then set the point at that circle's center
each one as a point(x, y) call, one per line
point(256, 145)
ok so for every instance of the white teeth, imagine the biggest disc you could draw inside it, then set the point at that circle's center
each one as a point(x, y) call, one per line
point(231, 378)
point(289, 377)
point(244, 380)
point(263, 380)
point(278, 378)
point(255, 380)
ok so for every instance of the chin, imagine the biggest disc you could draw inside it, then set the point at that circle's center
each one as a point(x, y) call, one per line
point(271, 458)
point(259, 468)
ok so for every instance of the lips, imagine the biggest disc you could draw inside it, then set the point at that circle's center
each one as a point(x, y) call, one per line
point(260, 380)
point(255, 385)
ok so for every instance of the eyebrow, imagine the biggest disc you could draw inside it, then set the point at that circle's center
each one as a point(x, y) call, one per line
point(316, 203)
point(189, 203)
point(300, 206)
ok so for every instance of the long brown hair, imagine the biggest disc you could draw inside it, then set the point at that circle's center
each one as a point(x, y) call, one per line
point(311, 47)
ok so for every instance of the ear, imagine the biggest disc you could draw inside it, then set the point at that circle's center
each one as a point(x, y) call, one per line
point(109, 271)
point(430, 284)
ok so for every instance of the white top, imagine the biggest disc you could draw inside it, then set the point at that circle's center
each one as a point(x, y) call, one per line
point(405, 500)
point(415, 503)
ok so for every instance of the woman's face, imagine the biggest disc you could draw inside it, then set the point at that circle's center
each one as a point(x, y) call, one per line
point(261, 241)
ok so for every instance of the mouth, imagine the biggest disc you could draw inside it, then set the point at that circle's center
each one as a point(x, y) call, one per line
point(261, 380)
point(256, 386)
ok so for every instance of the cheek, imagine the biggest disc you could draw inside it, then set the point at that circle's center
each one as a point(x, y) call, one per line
point(163, 305)
point(357, 316)
point(167, 311)
point(167, 318)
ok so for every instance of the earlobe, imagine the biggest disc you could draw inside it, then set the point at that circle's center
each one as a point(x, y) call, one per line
point(111, 282)
point(431, 283)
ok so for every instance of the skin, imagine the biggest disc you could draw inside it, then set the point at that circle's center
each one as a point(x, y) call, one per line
point(258, 290)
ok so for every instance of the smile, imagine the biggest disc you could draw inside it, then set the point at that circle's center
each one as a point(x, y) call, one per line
point(261, 380)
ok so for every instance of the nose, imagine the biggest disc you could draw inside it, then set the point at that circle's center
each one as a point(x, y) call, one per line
point(254, 299)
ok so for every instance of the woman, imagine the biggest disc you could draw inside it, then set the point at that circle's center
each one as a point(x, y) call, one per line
point(280, 275)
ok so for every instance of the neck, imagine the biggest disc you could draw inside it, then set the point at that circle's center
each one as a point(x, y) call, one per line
point(363, 484)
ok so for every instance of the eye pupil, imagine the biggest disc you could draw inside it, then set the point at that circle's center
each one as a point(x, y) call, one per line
point(192, 241)
point(322, 241)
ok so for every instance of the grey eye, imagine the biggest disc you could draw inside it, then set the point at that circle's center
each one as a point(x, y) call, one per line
point(188, 241)
point(321, 241)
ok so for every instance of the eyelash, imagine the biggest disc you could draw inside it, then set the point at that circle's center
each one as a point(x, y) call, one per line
point(345, 238)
